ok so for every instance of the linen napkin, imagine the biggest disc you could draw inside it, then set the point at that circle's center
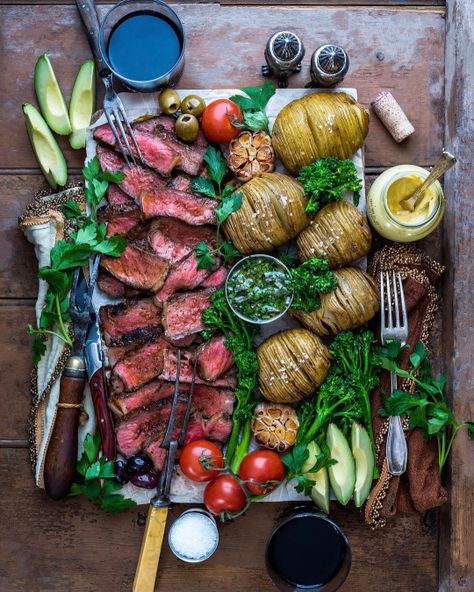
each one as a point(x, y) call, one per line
point(419, 489)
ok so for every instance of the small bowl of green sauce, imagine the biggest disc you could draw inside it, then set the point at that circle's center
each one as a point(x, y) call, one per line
point(259, 289)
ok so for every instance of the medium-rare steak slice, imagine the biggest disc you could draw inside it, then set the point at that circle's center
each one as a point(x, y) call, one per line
point(138, 268)
point(138, 366)
point(158, 153)
point(117, 197)
point(213, 358)
point(110, 285)
point(117, 352)
point(216, 279)
point(130, 320)
point(183, 275)
point(173, 239)
point(154, 391)
point(192, 155)
point(180, 182)
point(120, 219)
point(137, 178)
point(182, 313)
point(188, 207)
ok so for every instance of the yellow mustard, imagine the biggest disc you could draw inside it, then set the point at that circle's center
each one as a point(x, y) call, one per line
point(389, 212)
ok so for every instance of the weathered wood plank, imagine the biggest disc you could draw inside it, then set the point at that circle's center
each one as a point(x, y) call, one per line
point(457, 557)
point(339, 3)
point(412, 69)
point(71, 545)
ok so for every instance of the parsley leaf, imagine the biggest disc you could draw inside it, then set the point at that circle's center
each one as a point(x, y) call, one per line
point(216, 165)
point(38, 347)
point(203, 186)
point(91, 169)
point(253, 106)
point(71, 209)
point(204, 256)
point(228, 206)
point(228, 252)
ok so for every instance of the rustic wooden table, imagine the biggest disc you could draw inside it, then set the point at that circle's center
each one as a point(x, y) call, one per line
point(421, 50)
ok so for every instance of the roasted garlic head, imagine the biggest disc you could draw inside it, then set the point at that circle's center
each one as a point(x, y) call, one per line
point(275, 426)
point(251, 155)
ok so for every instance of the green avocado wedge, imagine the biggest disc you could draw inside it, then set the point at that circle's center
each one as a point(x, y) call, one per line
point(46, 149)
point(50, 98)
point(82, 104)
point(320, 490)
point(342, 474)
point(364, 463)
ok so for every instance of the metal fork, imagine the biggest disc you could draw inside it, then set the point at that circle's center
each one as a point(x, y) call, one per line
point(113, 106)
point(394, 325)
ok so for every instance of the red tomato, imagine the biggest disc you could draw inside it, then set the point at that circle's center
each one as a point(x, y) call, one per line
point(199, 458)
point(225, 496)
point(216, 121)
point(261, 471)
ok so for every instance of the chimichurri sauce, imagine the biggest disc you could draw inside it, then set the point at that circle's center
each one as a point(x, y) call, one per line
point(259, 289)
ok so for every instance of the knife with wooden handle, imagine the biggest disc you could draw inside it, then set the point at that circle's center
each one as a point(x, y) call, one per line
point(150, 551)
point(61, 456)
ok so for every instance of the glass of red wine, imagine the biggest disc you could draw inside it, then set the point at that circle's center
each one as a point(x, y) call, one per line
point(308, 552)
point(143, 44)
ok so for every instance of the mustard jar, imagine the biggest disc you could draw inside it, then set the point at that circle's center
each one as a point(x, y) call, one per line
point(386, 208)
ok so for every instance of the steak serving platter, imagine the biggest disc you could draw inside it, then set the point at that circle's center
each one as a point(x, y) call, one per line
point(138, 105)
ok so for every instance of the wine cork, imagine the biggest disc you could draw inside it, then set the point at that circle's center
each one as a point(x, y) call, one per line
point(392, 116)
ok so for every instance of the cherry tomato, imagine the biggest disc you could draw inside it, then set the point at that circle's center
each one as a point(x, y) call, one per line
point(224, 496)
point(199, 458)
point(216, 121)
point(261, 471)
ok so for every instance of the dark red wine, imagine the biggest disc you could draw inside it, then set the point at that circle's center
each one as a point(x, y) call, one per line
point(307, 551)
point(144, 46)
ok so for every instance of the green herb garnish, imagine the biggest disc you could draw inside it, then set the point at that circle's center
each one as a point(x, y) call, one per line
point(253, 107)
point(325, 180)
point(309, 280)
point(96, 479)
point(239, 337)
point(72, 252)
point(426, 407)
point(229, 202)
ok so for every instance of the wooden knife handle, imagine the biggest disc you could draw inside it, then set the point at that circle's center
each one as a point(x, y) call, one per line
point(150, 551)
point(98, 388)
point(90, 19)
point(61, 456)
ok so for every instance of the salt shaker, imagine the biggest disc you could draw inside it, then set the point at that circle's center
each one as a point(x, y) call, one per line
point(329, 65)
point(283, 53)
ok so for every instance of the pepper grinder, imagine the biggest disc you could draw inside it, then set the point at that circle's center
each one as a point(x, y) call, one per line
point(284, 53)
point(329, 65)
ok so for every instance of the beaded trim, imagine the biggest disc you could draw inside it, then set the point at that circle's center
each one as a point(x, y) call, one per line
point(411, 262)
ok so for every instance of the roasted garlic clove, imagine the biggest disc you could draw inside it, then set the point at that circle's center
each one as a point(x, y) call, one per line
point(275, 426)
point(250, 155)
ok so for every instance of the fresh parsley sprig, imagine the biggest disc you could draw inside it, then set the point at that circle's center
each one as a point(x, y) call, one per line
point(229, 202)
point(96, 479)
point(253, 107)
point(72, 252)
point(427, 406)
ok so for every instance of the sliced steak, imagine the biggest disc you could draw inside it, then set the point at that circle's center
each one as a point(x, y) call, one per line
point(183, 275)
point(120, 219)
point(138, 366)
point(138, 268)
point(213, 358)
point(145, 396)
point(110, 285)
point(180, 182)
point(216, 279)
point(117, 197)
point(182, 313)
point(173, 239)
point(117, 353)
point(192, 155)
point(185, 206)
point(158, 153)
point(130, 320)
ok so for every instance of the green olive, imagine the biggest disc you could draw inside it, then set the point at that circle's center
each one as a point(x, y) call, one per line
point(187, 127)
point(169, 101)
point(193, 104)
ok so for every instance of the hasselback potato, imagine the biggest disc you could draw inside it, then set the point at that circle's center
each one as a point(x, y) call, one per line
point(354, 302)
point(292, 364)
point(339, 232)
point(317, 126)
point(272, 213)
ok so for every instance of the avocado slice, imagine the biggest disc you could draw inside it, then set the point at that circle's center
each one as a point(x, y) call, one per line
point(50, 98)
point(320, 489)
point(364, 463)
point(46, 149)
point(82, 104)
point(342, 474)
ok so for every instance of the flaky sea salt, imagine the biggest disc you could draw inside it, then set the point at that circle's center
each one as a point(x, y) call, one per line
point(193, 536)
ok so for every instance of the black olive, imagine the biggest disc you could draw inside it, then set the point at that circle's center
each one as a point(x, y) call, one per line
point(145, 480)
point(138, 464)
point(120, 470)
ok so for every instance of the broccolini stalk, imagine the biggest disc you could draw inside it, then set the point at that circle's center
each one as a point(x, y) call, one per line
point(239, 337)
point(309, 280)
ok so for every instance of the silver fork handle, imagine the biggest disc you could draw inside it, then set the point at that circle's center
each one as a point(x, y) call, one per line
point(396, 447)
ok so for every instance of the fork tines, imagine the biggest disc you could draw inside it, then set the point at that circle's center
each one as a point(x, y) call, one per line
point(393, 311)
point(116, 114)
